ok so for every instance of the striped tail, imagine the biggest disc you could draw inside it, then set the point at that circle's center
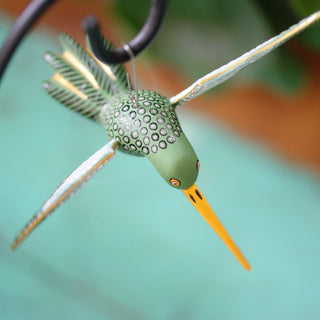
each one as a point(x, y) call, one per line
point(81, 82)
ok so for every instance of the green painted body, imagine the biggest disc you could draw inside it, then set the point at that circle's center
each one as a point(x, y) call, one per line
point(148, 126)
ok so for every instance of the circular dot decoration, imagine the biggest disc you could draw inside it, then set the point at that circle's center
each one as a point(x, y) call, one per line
point(160, 120)
point(133, 147)
point(163, 131)
point(144, 131)
point(135, 134)
point(132, 114)
point(137, 123)
point(171, 139)
point(146, 119)
point(125, 108)
point(154, 149)
point(153, 126)
point(121, 131)
point(141, 110)
point(142, 124)
point(145, 150)
point(155, 137)
point(162, 144)
point(127, 126)
point(169, 126)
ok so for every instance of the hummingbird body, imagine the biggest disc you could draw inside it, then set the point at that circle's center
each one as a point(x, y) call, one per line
point(142, 125)
point(146, 124)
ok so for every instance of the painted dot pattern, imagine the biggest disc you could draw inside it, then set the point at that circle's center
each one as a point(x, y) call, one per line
point(153, 126)
point(141, 127)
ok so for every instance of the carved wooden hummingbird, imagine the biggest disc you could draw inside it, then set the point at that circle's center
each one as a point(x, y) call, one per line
point(142, 123)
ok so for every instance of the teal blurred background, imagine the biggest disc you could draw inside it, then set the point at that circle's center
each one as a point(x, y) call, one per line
point(128, 247)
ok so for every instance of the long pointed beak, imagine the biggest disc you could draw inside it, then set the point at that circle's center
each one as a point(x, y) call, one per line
point(203, 207)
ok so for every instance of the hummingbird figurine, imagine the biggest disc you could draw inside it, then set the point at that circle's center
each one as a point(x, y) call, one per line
point(141, 123)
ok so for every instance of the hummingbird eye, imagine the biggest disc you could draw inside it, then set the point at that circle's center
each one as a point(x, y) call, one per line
point(175, 182)
point(198, 165)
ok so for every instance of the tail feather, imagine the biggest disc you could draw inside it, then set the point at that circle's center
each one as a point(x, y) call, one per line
point(78, 77)
point(117, 69)
point(111, 78)
point(81, 82)
point(89, 108)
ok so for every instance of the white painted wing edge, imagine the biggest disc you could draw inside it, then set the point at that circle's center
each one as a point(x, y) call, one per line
point(225, 72)
point(68, 187)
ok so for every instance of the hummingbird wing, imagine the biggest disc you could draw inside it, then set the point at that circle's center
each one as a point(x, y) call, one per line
point(225, 72)
point(68, 187)
point(81, 82)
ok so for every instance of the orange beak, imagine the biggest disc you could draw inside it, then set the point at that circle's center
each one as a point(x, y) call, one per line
point(203, 207)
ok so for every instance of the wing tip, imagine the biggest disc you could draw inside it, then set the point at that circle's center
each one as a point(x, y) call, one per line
point(14, 245)
point(19, 239)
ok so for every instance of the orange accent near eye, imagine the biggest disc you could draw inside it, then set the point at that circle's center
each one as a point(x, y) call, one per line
point(175, 182)
point(198, 165)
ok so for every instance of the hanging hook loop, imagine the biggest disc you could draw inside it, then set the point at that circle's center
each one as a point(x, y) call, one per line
point(137, 44)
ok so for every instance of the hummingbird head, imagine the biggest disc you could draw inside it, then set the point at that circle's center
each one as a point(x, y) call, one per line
point(177, 164)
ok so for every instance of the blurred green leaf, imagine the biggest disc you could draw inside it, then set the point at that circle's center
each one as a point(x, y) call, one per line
point(281, 14)
point(198, 37)
point(304, 8)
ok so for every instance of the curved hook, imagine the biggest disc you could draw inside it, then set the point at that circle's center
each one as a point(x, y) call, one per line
point(137, 44)
point(36, 8)
point(19, 28)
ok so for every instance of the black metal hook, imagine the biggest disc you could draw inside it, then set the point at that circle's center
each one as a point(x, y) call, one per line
point(36, 8)
point(137, 44)
point(19, 29)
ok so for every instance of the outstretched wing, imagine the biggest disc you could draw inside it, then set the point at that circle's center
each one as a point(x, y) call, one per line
point(81, 82)
point(68, 187)
point(225, 72)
